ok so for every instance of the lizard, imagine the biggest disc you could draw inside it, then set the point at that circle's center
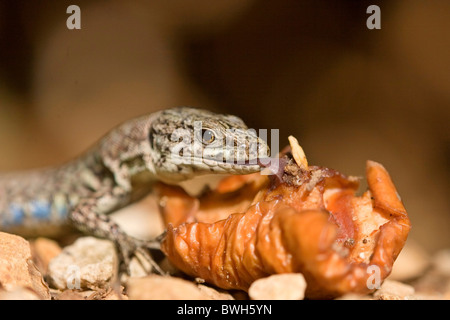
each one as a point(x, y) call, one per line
point(170, 146)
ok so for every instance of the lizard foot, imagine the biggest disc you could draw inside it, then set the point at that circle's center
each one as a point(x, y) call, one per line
point(129, 247)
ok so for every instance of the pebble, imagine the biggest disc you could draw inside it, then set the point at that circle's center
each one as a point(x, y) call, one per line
point(43, 251)
point(354, 296)
point(155, 287)
point(18, 273)
point(89, 263)
point(394, 290)
point(287, 286)
point(436, 280)
point(138, 267)
point(441, 262)
point(411, 262)
point(214, 294)
point(19, 293)
point(100, 294)
point(141, 219)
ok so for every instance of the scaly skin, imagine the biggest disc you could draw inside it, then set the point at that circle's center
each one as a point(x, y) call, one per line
point(121, 168)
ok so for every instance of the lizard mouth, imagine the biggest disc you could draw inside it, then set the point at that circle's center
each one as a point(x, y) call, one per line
point(261, 162)
point(270, 165)
point(210, 164)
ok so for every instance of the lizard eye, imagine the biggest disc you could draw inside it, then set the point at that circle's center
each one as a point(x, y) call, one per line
point(208, 136)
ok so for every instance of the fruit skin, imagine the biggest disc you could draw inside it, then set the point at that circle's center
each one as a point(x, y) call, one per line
point(297, 229)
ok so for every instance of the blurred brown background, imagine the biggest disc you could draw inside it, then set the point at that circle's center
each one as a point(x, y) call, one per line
point(309, 68)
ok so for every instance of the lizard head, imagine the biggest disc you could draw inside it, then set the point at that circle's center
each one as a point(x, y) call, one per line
point(188, 141)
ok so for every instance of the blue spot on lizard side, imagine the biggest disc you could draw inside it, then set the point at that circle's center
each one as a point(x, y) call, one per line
point(17, 214)
point(40, 209)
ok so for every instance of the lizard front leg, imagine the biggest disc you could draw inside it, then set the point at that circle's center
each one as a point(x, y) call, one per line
point(89, 216)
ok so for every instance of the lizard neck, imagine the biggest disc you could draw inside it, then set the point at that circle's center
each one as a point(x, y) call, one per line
point(127, 153)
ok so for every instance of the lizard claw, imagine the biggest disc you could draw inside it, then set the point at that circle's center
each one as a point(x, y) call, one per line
point(129, 246)
point(143, 254)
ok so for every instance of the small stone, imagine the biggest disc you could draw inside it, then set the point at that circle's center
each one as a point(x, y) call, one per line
point(441, 262)
point(428, 296)
point(139, 267)
point(411, 262)
point(115, 295)
point(19, 293)
point(89, 263)
point(141, 219)
point(286, 286)
point(155, 287)
point(394, 290)
point(354, 296)
point(214, 294)
point(432, 282)
point(168, 267)
point(99, 294)
point(43, 251)
point(73, 295)
point(17, 269)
